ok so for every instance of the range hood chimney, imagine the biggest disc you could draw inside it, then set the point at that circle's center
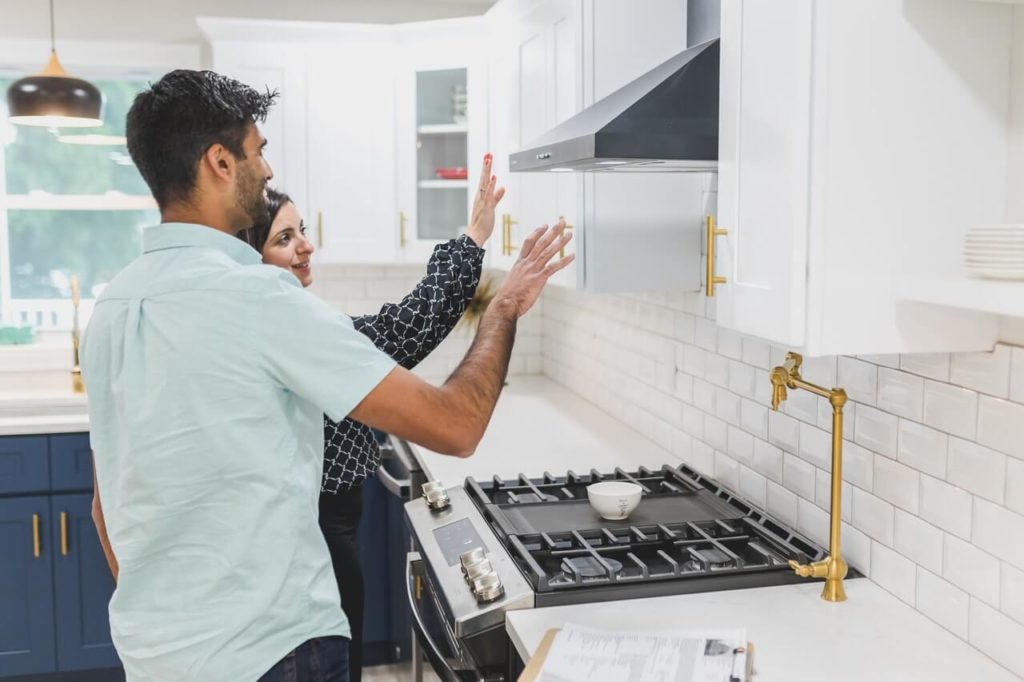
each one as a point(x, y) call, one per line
point(664, 121)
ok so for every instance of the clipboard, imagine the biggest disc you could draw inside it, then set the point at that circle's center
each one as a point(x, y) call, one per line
point(533, 668)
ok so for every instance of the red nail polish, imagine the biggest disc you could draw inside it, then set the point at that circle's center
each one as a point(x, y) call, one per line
point(487, 157)
point(493, 178)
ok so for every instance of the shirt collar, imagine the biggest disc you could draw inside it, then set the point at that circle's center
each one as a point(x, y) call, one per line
point(178, 235)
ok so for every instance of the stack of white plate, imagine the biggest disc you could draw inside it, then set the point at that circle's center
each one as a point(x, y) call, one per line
point(995, 251)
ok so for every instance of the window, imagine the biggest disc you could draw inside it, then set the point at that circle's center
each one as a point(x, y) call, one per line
point(71, 203)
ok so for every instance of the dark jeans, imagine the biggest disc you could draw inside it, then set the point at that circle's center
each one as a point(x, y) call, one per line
point(339, 518)
point(324, 659)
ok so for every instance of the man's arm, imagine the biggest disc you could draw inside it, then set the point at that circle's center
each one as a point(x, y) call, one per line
point(101, 526)
point(452, 418)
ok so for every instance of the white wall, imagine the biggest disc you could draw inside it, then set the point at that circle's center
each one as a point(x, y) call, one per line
point(933, 498)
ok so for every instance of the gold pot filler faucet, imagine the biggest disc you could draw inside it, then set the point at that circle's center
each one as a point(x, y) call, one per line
point(832, 568)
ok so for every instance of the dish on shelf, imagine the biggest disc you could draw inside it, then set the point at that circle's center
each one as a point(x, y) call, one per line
point(995, 252)
point(451, 173)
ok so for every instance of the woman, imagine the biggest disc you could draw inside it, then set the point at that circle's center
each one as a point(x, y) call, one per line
point(408, 332)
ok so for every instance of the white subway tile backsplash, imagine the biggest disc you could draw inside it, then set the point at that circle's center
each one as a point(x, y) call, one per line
point(782, 503)
point(929, 365)
point(919, 541)
point(727, 471)
point(998, 636)
point(1011, 597)
point(741, 446)
point(951, 409)
point(858, 466)
point(946, 506)
point(897, 484)
point(816, 446)
point(784, 431)
point(877, 431)
point(756, 352)
point(754, 487)
point(900, 393)
point(706, 335)
point(754, 418)
point(933, 476)
point(894, 572)
point(859, 379)
point(983, 372)
point(977, 469)
point(942, 602)
point(1015, 485)
point(999, 531)
point(768, 460)
point(798, 476)
point(970, 569)
point(1001, 425)
point(873, 516)
point(922, 448)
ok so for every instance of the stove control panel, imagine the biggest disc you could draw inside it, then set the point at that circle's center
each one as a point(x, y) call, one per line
point(436, 496)
point(480, 575)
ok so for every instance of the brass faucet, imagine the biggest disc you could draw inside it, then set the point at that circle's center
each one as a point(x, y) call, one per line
point(77, 385)
point(832, 568)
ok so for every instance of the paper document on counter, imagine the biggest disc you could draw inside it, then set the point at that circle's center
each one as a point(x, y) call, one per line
point(585, 654)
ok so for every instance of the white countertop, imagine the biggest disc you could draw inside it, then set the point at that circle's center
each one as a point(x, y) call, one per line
point(27, 426)
point(540, 426)
point(871, 637)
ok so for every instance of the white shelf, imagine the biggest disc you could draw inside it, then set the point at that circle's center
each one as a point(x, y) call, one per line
point(983, 295)
point(443, 184)
point(443, 129)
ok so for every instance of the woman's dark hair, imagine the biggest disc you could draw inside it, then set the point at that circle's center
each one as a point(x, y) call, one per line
point(256, 236)
point(172, 124)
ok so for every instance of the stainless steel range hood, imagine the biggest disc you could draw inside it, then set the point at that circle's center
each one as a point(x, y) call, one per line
point(664, 121)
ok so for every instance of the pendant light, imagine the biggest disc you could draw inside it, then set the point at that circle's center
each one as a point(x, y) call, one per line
point(53, 98)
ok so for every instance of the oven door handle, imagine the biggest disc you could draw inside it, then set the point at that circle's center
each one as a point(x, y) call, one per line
point(394, 450)
point(437, 660)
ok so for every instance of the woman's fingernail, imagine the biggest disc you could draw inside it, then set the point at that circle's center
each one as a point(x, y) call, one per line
point(493, 178)
point(487, 157)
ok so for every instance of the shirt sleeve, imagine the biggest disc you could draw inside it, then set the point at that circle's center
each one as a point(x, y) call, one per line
point(410, 330)
point(315, 352)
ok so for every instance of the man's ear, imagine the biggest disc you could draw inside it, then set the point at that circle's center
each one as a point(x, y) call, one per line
point(220, 162)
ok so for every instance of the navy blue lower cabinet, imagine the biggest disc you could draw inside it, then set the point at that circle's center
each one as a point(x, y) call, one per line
point(26, 587)
point(83, 586)
point(70, 462)
point(24, 464)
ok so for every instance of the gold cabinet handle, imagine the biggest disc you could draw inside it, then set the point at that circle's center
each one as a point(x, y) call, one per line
point(319, 229)
point(507, 247)
point(63, 533)
point(713, 279)
point(561, 251)
point(35, 536)
point(401, 229)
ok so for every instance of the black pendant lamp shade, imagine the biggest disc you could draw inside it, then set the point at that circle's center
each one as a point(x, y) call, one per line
point(53, 98)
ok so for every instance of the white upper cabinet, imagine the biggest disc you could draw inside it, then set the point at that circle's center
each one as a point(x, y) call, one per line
point(441, 131)
point(856, 138)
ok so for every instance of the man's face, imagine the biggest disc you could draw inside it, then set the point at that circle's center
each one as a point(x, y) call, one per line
point(253, 174)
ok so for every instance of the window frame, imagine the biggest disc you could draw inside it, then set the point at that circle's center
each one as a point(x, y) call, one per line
point(90, 60)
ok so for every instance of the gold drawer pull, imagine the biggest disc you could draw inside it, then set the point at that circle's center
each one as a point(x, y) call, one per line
point(507, 247)
point(561, 251)
point(63, 533)
point(713, 279)
point(35, 536)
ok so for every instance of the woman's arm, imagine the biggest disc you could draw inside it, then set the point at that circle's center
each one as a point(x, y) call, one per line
point(408, 331)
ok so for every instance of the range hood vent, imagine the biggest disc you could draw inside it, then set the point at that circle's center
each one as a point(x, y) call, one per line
point(664, 121)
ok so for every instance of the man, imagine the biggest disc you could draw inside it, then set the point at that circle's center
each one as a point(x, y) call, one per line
point(209, 375)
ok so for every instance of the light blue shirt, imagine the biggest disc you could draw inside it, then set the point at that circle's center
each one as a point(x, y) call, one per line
point(208, 376)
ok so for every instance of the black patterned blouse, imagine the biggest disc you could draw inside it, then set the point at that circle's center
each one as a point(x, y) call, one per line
point(408, 332)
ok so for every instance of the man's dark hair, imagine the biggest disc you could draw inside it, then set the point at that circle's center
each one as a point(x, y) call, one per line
point(256, 236)
point(171, 125)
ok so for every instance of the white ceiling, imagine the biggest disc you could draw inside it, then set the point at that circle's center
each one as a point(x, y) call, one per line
point(173, 21)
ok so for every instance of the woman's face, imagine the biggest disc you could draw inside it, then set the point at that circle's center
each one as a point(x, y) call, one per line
point(287, 246)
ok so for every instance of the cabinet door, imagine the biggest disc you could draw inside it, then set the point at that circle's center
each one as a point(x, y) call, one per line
point(26, 587)
point(83, 586)
point(24, 464)
point(70, 462)
point(764, 167)
point(503, 131)
point(281, 67)
point(351, 152)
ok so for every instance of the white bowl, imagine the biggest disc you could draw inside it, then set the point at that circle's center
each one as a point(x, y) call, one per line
point(614, 500)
